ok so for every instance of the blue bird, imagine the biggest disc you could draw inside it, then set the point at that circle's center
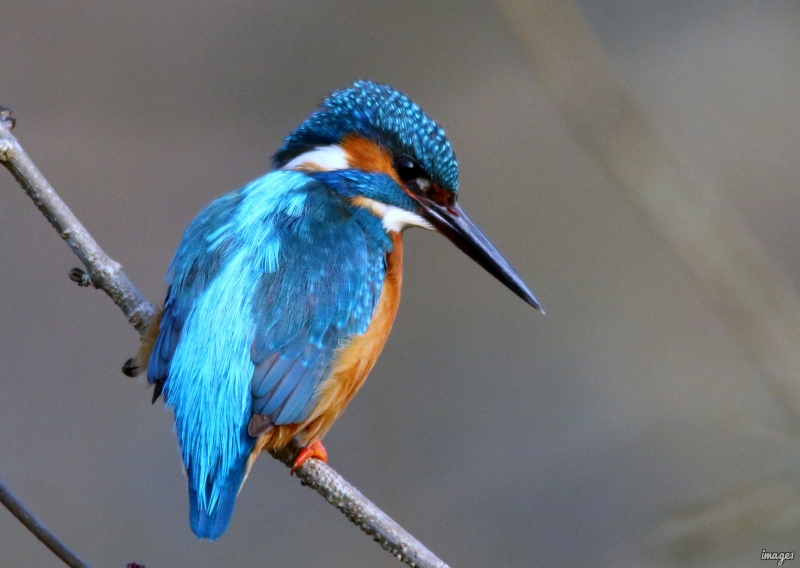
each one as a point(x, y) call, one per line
point(282, 294)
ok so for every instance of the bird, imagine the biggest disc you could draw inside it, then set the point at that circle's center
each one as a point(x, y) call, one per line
point(282, 294)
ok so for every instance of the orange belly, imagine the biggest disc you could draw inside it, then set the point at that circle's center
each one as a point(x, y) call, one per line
point(351, 364)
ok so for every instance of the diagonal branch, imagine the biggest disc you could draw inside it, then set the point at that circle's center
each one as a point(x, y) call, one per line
point(104, 273)
point(31, 523)
point(107, 275)
point(361, 511)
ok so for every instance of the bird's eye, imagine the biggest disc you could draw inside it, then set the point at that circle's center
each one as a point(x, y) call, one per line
point(408, 169)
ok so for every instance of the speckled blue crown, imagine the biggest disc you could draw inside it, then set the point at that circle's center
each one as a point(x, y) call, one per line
point(383, 115)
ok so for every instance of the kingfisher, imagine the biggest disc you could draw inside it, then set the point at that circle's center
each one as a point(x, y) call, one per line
point(282, 294)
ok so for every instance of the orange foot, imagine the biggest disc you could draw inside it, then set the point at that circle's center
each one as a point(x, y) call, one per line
point(313, 450)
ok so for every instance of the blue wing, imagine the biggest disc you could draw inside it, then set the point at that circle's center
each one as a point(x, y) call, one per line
point(267, 283)
point(325, 291)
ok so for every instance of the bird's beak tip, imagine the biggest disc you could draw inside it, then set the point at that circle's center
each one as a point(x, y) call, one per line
point(454, 224)
point(528, 297)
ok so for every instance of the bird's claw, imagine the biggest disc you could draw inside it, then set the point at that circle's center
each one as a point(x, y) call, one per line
point(313, 450)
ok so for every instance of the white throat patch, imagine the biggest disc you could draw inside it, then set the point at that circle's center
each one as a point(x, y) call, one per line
point(331, 158)
point(394, 218)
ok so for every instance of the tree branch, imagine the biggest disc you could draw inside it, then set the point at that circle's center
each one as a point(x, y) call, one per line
point(50, 540)
point(361, 511)
point(107, 275)
point(104, 273)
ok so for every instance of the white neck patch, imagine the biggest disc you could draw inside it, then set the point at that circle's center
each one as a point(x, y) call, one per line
point(324, 158)
point(330, 158)
point(394, 218)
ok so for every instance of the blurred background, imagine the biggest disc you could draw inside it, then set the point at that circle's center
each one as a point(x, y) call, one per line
point(624, 428)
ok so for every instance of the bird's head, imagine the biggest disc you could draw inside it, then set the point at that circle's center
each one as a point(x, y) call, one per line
point(383, 152)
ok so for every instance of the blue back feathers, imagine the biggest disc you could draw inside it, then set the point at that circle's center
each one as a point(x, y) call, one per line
point(383, 115)
point(270, 280)
point(266, 284)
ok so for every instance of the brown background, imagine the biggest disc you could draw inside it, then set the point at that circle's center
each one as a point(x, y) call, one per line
point(496, 436)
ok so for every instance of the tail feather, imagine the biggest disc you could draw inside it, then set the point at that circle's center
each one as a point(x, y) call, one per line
point(211, 522)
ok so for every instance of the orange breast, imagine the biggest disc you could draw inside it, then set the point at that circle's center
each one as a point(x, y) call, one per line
point(352, 363)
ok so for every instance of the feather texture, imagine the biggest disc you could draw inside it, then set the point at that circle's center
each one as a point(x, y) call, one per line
point(267, 283)
point(380, 114)
point(282, 294)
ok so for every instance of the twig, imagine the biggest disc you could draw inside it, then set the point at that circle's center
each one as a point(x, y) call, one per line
point(104, 273)
point(38, 529)
point(360, 510)
point(107, 275)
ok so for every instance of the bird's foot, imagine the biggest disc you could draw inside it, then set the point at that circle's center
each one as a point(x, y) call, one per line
point(313, 450)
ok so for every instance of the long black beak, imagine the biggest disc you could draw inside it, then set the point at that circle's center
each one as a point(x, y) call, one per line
point(454, 224)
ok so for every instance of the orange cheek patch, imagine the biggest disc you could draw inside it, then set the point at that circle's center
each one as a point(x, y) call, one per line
point(363, 154)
